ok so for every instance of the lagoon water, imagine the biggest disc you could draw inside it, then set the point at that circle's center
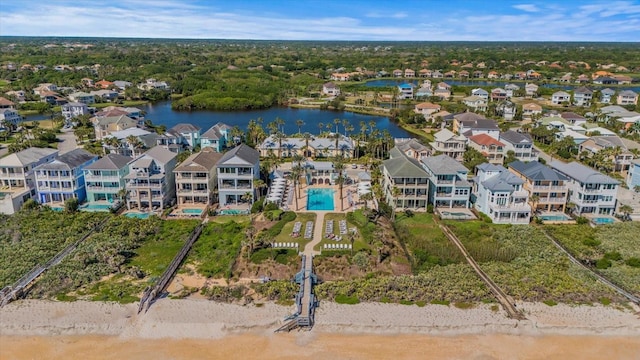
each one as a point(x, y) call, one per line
point(162, 114)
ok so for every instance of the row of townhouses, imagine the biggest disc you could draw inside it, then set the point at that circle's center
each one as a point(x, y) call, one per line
point(152, 180)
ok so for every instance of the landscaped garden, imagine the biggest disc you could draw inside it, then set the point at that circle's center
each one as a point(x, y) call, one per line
point(613, 250)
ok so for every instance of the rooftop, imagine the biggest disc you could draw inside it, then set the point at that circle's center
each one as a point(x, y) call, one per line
point(443, 165)
point(110, 162)
point(535, 170)
point(581, 173)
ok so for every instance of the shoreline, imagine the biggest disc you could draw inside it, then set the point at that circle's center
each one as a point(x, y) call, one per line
point(194, 328)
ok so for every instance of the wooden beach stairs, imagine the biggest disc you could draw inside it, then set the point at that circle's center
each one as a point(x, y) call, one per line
point(305, 298)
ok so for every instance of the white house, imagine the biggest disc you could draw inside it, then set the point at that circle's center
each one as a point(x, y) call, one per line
point(582, 96)
point(481, 93)
point(150, 182)
point(330, 89)
point(500, 195)
point(74, 109)
point(82, 97)
point(236, 171)
point(405, 91)
point(560, 97)
point(606, 95)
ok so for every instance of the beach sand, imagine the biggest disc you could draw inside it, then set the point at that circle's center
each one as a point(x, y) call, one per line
point(201, 329)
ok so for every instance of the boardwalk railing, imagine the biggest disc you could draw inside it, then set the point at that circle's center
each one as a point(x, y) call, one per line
point(152, 292)
point(14, 291)
point(306, 301)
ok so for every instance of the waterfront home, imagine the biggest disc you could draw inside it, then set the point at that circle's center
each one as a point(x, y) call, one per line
point(189, 133)
point(6, 103)
point(627, 97)
point(531, 89)
point(633, 176)
point(104, 126)
point(17, 180)
point(236, 172)
point(442, 94)
point(45, 87)
point(481, 93)
point(582, 96)
point(498, 94)
point(409, 73)
point(9, 116)
point(606, 80)
point(152, 84)
point(63, 178)
point(521, 144)
point(510, 89)
point(107, 95)
point(573, 118)
point(121, 84)
point(591, 191)
point(426, 109)
point(407, 175)
point(330, 89)
point(340, 77)
point(82, 97)
point(397, 73)
point(316, 147)
point(450, 144)
point(621, 157)
point(105, 179)
point(216, 137)
point(531, 109)
point(491, 148)
point(74, 109)
point(560, 97)
point(104, 84)
point(448, 185)
point(405, 91)
point(469, 124)
point(150, 183)
point(412, 148)
point(500, 195)
point(548, 190)
point(606, 95)
point(196, 178)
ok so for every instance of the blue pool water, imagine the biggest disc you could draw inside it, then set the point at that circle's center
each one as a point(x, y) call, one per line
point(233, 212)
point(558, 217)
point(320, 199)
point(602, 220)
point(95, 207)
point(137, 215)
point(192, 211)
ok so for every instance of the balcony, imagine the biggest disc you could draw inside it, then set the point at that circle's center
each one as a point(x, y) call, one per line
point(552, 200)
point(135, 185)
point(590, 191)
point(548, 188)
point(102, 178)
point(113, 189)
point(11, 175)
point(191, 191)
point(224, 186)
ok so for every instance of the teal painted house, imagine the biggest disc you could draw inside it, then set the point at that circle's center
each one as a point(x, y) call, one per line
point(105, 178)
point(216, 137)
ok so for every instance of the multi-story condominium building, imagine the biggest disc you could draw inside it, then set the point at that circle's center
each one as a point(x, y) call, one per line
point(448, 185)
point(491, 148)
point(582, 96)
point(621, 157)
point(469, 124)
point(106, 178)
point(521, 144)
point(150, 182)
point(74, 109)
point(317, 147)
point(627, 97)
point(412, 148)
point(548, 190)
point(196, 178)
point(450, 144)
point(216, 137)
point(633, 176)
point(500, 195)
point(236, 171)
point(17, 180)
point(591, 191)
point(407, 175)
point(63, 178)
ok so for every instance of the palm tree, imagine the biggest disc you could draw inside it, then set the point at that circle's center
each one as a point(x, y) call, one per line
point(259, 184)
point(134, 144)
point(279, 123)
point(626, 210)
point(296, 172)
point(336, 122)
point(345, 123)
point(250, 240)
point(320, 127)
point(299, 123)
point(535, 198)
point(113, 143)
point(279, 137)
point(307, 138)
point(339, 166)
point(395, 192)
point(366, 197)
point(236, 134)
point(247, 197)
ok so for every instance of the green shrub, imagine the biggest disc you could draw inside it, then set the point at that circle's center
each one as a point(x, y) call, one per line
point(421, 303)
point(440, 302)
point(463, 305)
point(406, 302)
point(430, 208)
point(550, 302)
point(605, 301)
point(633, 262)
point(603, 264)
point(590, 241)
point(270, 207)
point(613, 256)
point(257, 206)
point(348, 300)
point(284, 218)
point(581, 220)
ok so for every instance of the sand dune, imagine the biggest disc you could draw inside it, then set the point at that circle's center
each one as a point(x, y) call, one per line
point(192, 328)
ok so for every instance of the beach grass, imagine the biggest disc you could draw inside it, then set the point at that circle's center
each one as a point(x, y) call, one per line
point(217, 249)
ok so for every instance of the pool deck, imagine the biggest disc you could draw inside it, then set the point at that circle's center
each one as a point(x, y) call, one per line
point(455, 213)
point(568, 220)
point(346, 207)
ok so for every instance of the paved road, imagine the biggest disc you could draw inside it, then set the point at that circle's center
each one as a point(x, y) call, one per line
point(68, 141)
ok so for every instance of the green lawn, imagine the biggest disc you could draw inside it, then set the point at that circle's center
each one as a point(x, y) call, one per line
point(358, 244)
point(217, 248)
point(287, 229)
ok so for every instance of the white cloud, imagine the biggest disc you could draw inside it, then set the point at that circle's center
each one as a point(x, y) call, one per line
point(526, 7)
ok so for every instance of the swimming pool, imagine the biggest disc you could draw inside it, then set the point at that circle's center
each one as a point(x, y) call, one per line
point(137, 215)
point(233, 212)
point(96, 207)
point(4, 194)
point(555, 217)
point(602, 220)
point(192, 211)
point(320, 199)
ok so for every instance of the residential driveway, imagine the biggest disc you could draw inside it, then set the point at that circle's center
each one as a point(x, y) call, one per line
point(68, 141)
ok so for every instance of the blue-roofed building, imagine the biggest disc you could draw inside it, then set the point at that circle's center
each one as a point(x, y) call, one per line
point(405, 91)
point(500, 195)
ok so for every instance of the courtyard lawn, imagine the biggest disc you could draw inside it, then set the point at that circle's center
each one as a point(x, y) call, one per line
point(359, 241)
point(287, 229)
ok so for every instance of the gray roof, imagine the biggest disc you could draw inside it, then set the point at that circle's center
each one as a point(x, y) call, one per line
point(404, 166)
point(117, 119)
point(476, 122)
point(204, 160)
point(515, 137)
point(627, 93)
point(443, 165)
point(242, 151)
point(468, 116)
point(31, 155)
point(535, 170)
point(561, 93)
point(69, 161)
point(607, 91)
point(325, 143)
point(149, 140)
point(505, 181)
point(185, 128)
point(581, 173)
point(583, 90)
point(446, 134)
point(411, 144)
point(110, 162)
point(160, 154)
point(213, 133)
point(480, 91)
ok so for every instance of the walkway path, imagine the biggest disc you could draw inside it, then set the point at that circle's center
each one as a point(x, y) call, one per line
point(317, 236)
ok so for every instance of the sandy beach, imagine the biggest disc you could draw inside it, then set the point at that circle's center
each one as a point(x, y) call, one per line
point(198, 329)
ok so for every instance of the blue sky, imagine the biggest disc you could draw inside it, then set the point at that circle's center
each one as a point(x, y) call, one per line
point(426, 20)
